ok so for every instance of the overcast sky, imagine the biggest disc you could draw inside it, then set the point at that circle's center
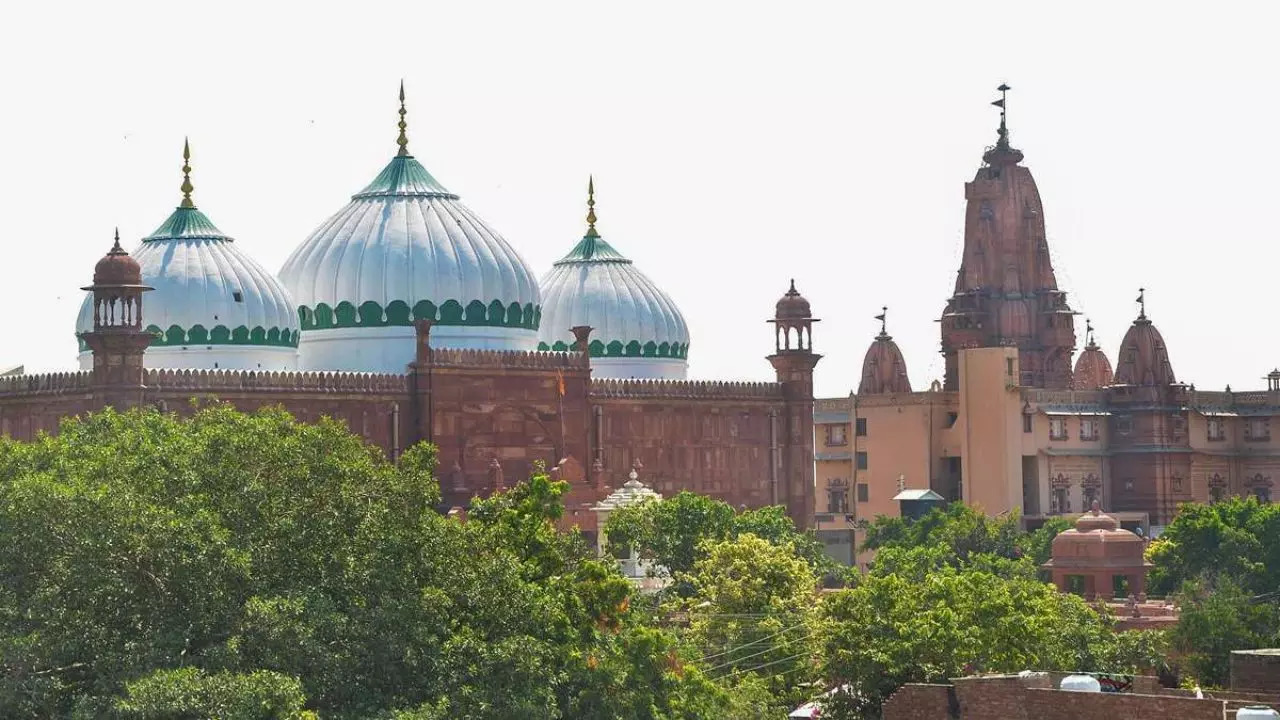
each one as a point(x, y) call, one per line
point(735, 145)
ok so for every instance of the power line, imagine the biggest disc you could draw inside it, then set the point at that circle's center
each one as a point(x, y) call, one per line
point(753, 642)
point(762, 652)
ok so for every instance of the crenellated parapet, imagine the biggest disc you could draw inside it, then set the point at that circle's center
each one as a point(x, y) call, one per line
point(46, 383)
point(292, 382)
point(684, 389)
point(509, 359)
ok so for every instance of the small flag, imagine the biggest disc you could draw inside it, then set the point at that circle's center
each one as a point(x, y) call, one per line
point(1142, 296)
point(880, 317)
point(998, 103)
point(560, 382)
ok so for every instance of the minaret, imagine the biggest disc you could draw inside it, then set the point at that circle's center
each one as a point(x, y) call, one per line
point(117, 339)
point(794, 360)
point(1006, 293)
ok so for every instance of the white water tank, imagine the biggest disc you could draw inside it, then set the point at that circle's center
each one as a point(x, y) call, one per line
point(1080, 683)
point(1257, 712)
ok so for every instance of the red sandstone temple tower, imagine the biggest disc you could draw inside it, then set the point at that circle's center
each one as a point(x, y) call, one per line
point(1006, 293)
point(794, 361)
point(117, 339)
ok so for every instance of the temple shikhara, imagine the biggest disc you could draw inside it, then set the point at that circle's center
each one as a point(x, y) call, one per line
point(1021, 421)
point(410, 319)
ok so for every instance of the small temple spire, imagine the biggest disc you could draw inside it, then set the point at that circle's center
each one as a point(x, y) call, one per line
point(116, 249)
point(882, 317)
point(186, 175)
point(591, 207)
point(1142, 303)
point(403, 140)
point(1004, 89)
point(1088, 334)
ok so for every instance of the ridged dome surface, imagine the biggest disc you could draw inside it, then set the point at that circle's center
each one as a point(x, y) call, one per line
point(1093, 369)
point(213, 306)
point(883, 368)
point(405, 249)
point(637, 330)
point(1143, 359)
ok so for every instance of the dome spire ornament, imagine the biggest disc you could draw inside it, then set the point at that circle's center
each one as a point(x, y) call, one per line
point(591, 207)
point(1142, 303)
point(1088, 333)
point(116, 249)
point(187, 187)
point(884, 331)
point(403, 140)
point(1003, 142)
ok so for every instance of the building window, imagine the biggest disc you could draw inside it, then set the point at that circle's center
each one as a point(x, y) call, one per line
point(1124, 425)
point(1026, 422)
point(1008, 367)
point(837, 496)
point(1057, 428)
point(1217, 488)
point(952, 418)
point(1088, 429)
point(1263, 494)
point(863, 492)
point(836, 435)
point(1059, 502)
point(1257, 430)
point(860, 427)
point(1217, 429)
point(861, 460)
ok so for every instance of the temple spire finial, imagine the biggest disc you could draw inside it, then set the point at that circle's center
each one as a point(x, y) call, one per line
point(186, 174)
point(591, 207)
point(116, 249)
point(403, 140)
point(882, 317)
point(1142, 303)
point(1088, 333)
point(1004, 89)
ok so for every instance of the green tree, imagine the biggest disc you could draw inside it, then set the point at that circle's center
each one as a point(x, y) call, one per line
point(894, 629)
point(152, 566)
point(1216, 619)
point(753, 601)
point(965, 531)
point(1237, 539)
point(671, 531)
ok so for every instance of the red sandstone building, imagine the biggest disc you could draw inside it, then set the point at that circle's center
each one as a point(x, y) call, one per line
point(1014, 424)
point(407, 317)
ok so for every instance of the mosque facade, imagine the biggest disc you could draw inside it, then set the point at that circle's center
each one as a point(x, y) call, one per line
point(1014, 425)
point(409, 318)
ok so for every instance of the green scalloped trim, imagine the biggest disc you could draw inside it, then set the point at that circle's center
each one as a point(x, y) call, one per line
point(651, 349)
point(175, 336)
point(399, 314)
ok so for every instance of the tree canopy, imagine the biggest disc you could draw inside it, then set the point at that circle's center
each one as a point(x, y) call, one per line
point(248, 566)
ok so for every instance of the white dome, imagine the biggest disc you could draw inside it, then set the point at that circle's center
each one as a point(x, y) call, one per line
point(405, 249)
point(212, 307)
point(638, 332)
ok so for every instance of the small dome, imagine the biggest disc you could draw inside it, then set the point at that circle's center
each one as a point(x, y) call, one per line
point(1097, 537)
point(1143, 359)
point(793, 306)
point(1093, 369)
point(883, 369)
point(405, 249)
point(212, 306)
point(117, 268)
point(637, 331)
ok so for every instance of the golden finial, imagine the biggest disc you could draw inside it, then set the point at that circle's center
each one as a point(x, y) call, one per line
point(186, 175)
point(403, 140)
point(591, 207)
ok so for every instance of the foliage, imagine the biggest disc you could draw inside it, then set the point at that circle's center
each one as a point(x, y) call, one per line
point(1236, 539)
point(892, 630)
point(669, 532)
point(152, 566)
point(192, 693)
point(964, 531)
point(1213, 621)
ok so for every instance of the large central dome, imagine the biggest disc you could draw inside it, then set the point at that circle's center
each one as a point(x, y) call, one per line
point(406, 249)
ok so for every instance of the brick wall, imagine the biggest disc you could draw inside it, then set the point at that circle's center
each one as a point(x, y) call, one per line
point(920, 702)
point(1256, 670)
point(1063, 705)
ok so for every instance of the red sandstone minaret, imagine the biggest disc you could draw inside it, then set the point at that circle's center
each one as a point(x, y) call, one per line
point(117, 339)
point(794, 361)
point(1006, 293)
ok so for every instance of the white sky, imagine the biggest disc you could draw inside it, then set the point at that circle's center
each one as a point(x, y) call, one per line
point(735, 145)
